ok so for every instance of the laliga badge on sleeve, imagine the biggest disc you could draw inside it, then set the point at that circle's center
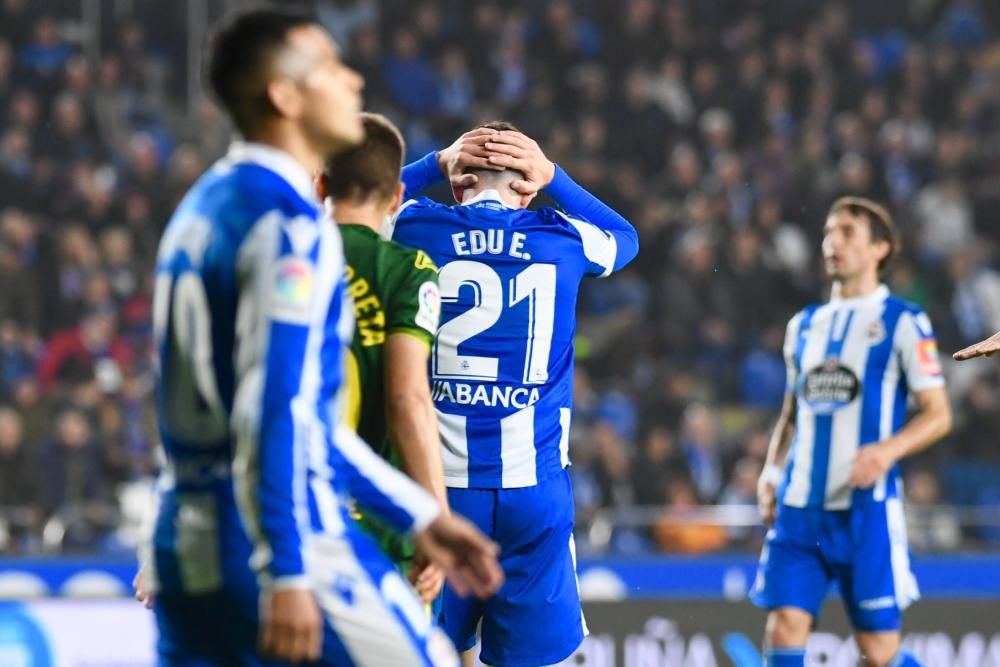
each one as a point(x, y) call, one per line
point(928, 358)
point(292, 290)
point(429, 306)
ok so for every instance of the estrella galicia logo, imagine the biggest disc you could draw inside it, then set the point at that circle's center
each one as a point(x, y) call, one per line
point(22, 641)
point(830, 387)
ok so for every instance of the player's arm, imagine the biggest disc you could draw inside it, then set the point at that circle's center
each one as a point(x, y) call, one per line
point(270, 460)
point(412, 420)
point(774, 464)
point(917, 352)
point(784, 430)
point(467, 152)
point(983, 348)
point(447, 540)
point(270, 427)
point(617, 242)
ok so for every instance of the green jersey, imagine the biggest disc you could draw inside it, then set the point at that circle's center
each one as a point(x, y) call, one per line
point(395, 290)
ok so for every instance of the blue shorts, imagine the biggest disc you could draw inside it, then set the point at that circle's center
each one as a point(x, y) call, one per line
point(535, 618)
point(372, 616)
point(863, 549)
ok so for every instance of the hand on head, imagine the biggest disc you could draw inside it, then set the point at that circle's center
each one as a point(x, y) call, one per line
point(496, 150)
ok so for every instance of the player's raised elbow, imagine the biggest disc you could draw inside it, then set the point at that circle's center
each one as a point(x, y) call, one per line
point(626, 247)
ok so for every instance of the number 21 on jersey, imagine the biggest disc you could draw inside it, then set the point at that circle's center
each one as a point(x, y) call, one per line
point(536, 284)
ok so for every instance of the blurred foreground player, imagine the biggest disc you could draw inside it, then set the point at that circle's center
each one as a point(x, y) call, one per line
point(253, 553)
point(983, 348)
point(831, 487)
point(396, 306)
point(503, 374)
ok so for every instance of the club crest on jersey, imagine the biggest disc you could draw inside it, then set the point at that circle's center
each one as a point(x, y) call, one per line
point(830, 387)
point(875, 333)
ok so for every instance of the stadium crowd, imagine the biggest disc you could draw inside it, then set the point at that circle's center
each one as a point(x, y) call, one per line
point(723, 130)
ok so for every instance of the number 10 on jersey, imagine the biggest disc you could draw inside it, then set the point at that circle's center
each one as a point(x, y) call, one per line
point(536, 284)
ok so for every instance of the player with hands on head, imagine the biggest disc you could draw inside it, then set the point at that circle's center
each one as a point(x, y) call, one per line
point(830, 490)
point(502, 370)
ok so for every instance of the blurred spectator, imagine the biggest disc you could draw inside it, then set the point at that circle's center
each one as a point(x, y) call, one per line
point(762, 374)
point(71, 464)
point(18, 475)
point(976, 301)
point(945, 217)
point(681, 529)
point(741, 491)
point(657, 464)
point(411, 79)
point(16, 358)
point(611, 466)
point(93, 350)
point(700, 445)
point(929, 526)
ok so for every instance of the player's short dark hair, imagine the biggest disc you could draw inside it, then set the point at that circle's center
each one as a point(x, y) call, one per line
point(370, 169)
point(879, 222)
point(500, 126)
point(237, 55)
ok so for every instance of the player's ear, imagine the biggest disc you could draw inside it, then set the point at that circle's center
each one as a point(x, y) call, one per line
point(319, 184)
point(458, 192)
point(884, 249)
point(526, 199)
point(284, 97)
point(397, 199)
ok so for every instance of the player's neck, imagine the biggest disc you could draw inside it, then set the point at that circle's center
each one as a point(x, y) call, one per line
point(855, 287)
point(369, 214)
point(293, 143)
point(506, 195)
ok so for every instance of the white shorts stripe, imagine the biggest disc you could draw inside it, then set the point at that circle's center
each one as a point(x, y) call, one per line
point(572, 553)
point(565, 416)
point(904, 583)
point(370, 617)
point(517, 449)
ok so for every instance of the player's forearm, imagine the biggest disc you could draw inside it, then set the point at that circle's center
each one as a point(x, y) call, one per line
point(421, 174)
point(781, 442)
point(923, 430)
point(784, 432)
point(268, 468)
point(387, 492)
point(576, 200)
point(413, 428)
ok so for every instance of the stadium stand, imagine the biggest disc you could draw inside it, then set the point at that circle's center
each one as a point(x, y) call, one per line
point(723, 130)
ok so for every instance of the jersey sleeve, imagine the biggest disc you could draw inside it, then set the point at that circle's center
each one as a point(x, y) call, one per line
point(277, 290)
point(415, 302)
point(609, 241)
point(420, 175)
point(918, 353)
point(392, 496)
point(788, 353)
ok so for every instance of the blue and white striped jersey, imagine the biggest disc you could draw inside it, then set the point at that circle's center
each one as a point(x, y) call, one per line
point(852, 364)
point(250, 325)
point(502, 365)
